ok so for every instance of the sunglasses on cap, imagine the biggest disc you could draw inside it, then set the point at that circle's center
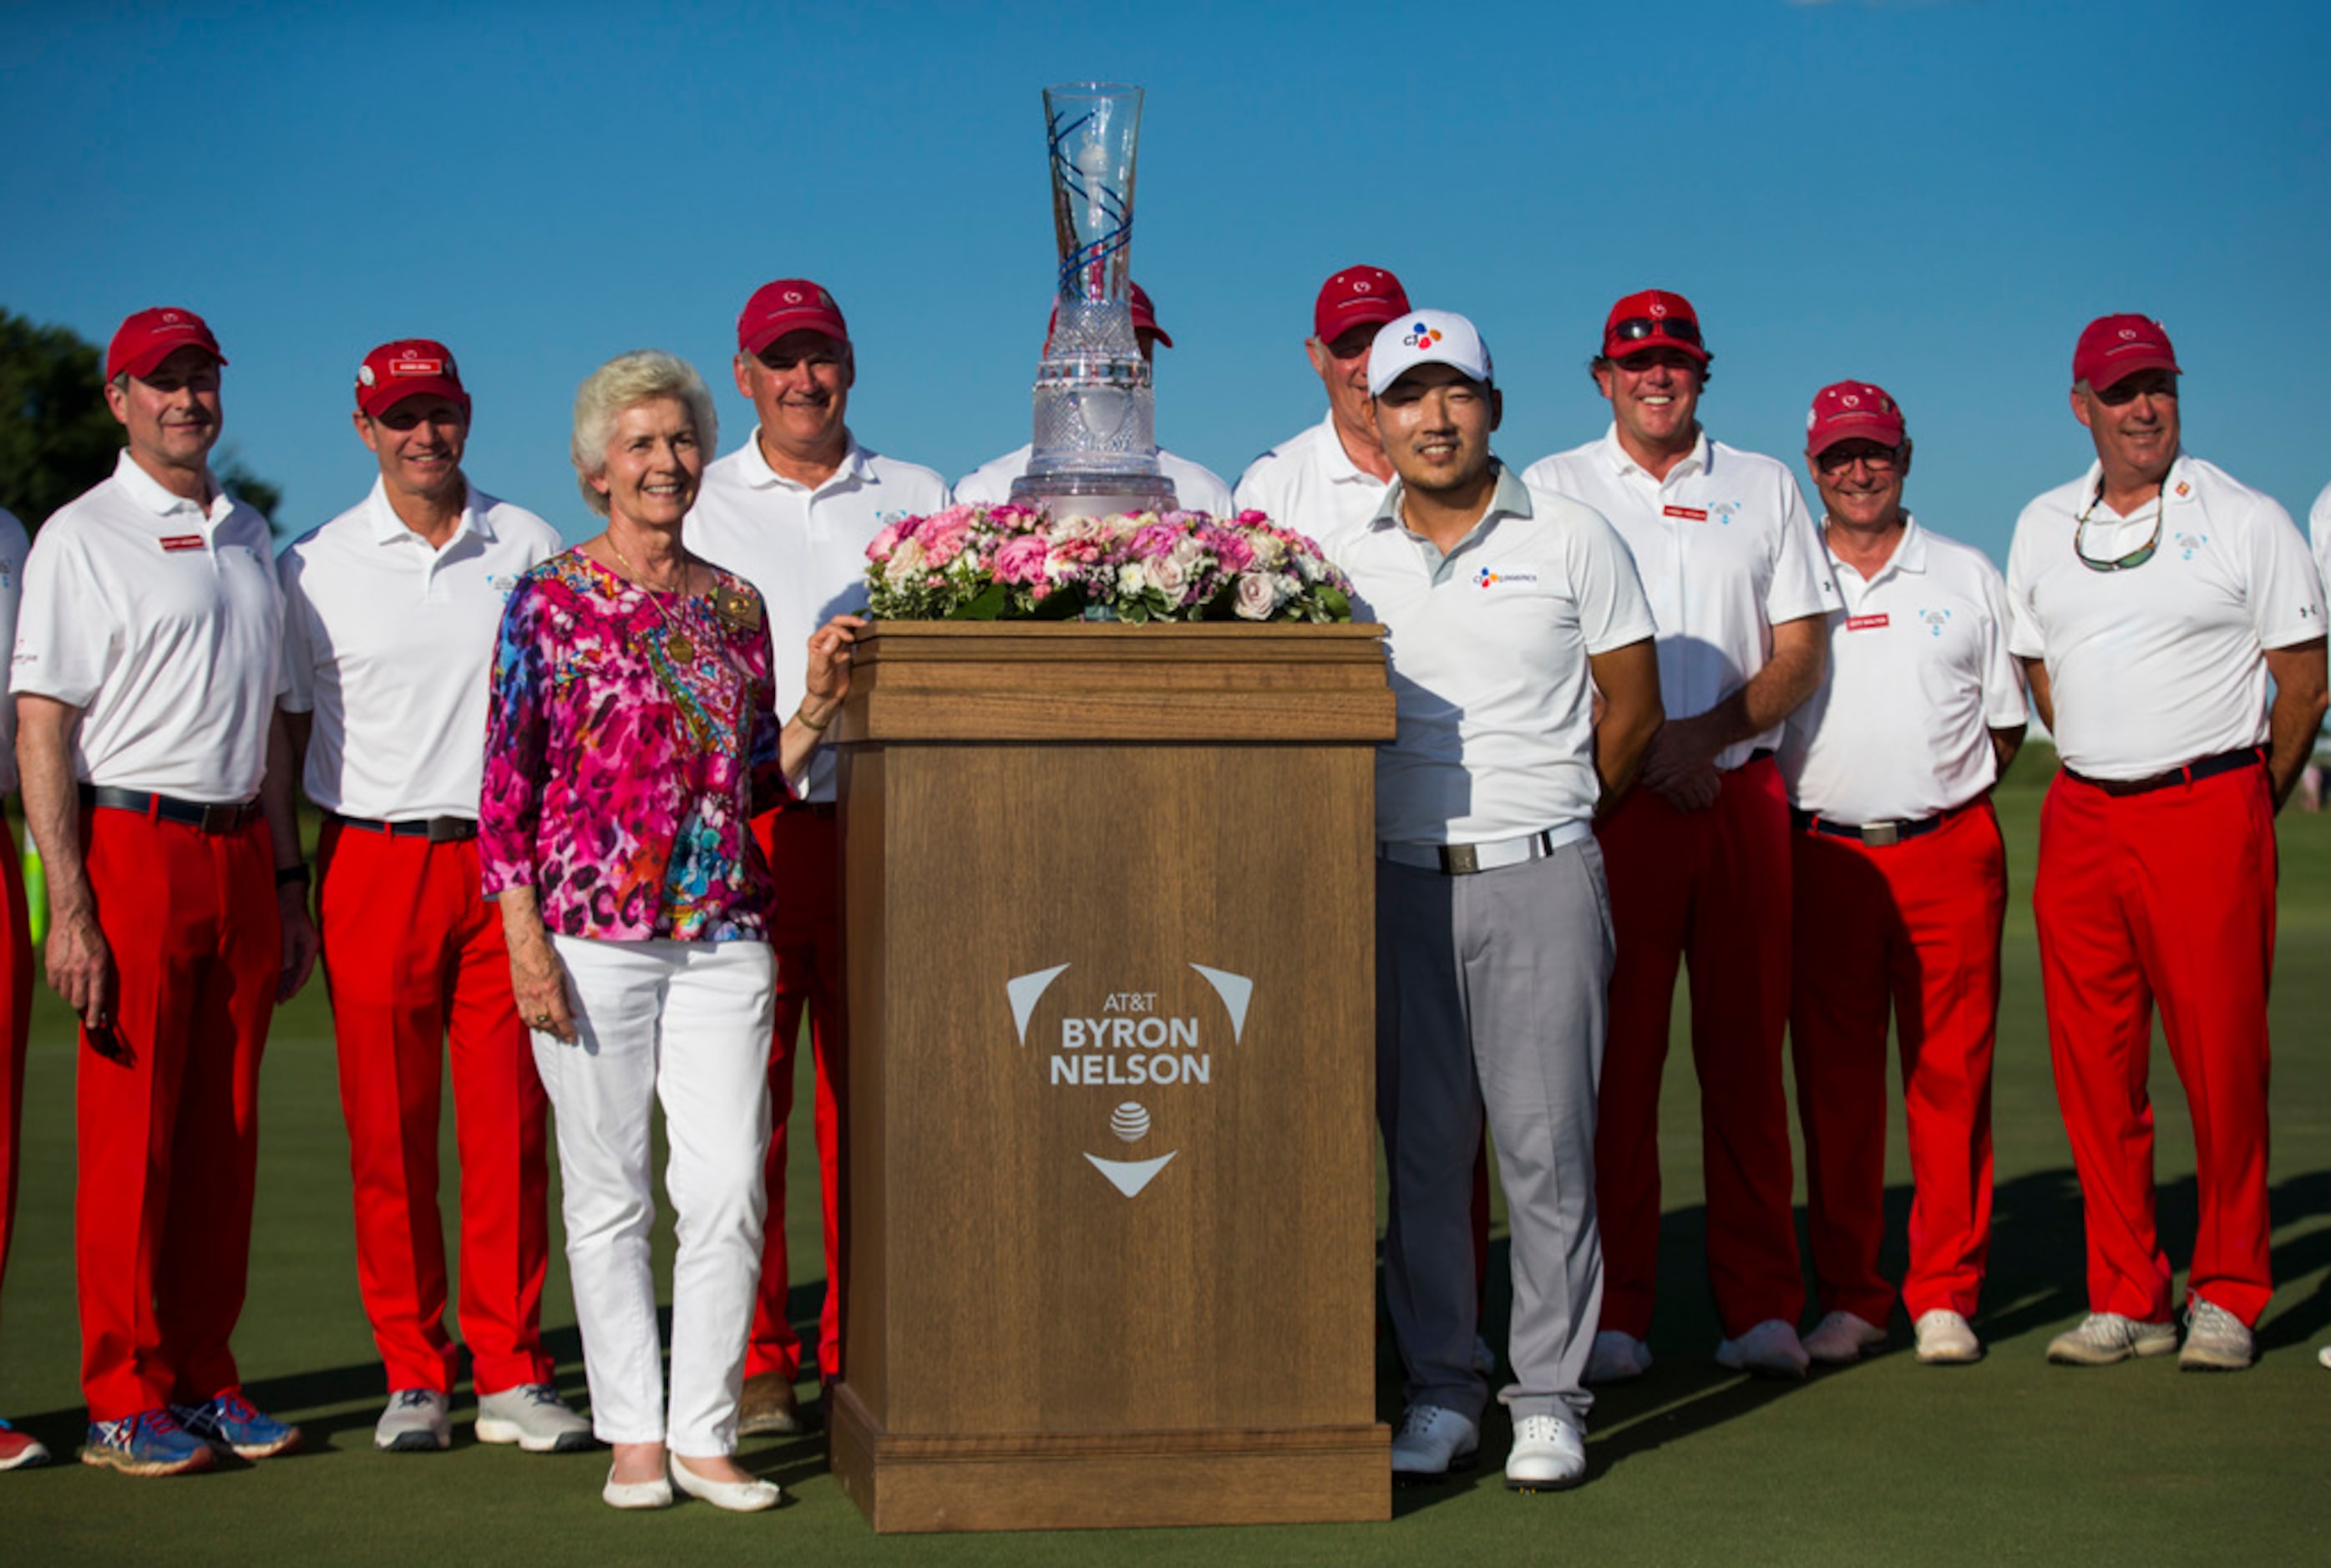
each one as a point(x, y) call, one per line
point(1635, 329)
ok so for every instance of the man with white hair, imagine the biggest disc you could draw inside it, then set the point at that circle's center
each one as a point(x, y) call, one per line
point(2154, 598)
point(1507, 609)
point(1332, 476)
point(791, 512)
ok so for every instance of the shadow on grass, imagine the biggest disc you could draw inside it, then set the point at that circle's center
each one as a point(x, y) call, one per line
point(329, 1401)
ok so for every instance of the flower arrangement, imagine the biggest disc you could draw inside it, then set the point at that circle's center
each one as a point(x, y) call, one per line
point(980, 563)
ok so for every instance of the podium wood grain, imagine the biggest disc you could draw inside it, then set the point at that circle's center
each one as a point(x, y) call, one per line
point(1027, 1345)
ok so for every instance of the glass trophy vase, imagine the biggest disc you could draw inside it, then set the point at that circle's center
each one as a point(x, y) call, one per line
point(1096, 448)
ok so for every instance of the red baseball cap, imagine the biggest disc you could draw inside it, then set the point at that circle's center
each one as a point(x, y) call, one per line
point(1850, 411)
point(1654, 318)
point(151, 335)
point(788, 305)
point(408, 367)
point(2113, 346)
point(1145, 316)
point(1356, 297)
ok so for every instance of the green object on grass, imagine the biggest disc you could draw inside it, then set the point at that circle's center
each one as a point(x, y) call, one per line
point(36, 893)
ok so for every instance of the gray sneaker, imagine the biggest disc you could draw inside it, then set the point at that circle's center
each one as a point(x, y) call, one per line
point(535, 1417)
point(414, 1423)
point(2215, 1340)
point(2106, 1337)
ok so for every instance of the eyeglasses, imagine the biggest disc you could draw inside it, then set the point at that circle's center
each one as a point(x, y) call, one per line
point(1635, 329)
point(1884, 461)
point(2134, 558)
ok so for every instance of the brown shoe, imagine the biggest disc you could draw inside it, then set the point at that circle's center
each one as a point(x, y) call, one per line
point(769, 1407)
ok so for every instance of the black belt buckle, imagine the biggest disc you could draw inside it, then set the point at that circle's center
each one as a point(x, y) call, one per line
point(219, 819)
point(451, 830)
point(1460, 859)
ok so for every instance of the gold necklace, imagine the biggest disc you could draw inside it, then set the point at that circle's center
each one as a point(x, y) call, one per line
point(675, 641)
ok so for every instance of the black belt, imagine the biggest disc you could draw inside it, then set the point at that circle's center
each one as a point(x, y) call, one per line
point(208, 818)
point(2192, 773)
point(1877, 836)
point(437, 829)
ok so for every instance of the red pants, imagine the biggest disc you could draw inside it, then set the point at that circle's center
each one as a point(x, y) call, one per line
point(414, 959)
point(1911, 929)
point(2164, 897)
point(1712, 887)
point(17, 996)
point(804, 853)
point(168, 1107)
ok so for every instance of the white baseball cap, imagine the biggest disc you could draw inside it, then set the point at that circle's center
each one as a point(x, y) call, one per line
point(1426, 338)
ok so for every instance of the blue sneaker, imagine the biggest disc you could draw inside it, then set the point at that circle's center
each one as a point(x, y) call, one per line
point(232, 1422)
point(149, 1444)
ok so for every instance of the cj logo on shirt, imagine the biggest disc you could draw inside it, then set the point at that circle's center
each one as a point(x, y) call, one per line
point(1491, 578)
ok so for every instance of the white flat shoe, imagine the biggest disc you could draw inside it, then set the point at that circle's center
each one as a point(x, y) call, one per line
point(736, 1496)
point(655, 1494)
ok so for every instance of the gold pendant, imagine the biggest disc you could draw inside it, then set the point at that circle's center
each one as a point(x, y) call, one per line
point(680, 646)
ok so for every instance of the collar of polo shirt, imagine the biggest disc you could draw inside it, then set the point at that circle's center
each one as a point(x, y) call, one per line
point(148, 493)
point(1620, 463)
point(761, 476)
point(387, 528)
point(1909, 551)
point(1509, 500)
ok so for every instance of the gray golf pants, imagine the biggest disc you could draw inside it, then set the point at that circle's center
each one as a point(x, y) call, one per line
point(1490, 992)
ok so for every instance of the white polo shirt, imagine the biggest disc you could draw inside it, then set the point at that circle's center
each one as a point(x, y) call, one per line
point(1311, 484)
point(2164, 663)
point(1918, 677)
point(1196, 488)
point(805, 549)
point(391, 645)
point(158, 618)
point(2318, 528)
point(1488, 647)
point(1726, 551)
point(15, 544)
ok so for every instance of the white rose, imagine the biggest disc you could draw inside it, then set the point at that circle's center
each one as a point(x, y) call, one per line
point(906, 563)
point(1168, 576)
point(1257, 596)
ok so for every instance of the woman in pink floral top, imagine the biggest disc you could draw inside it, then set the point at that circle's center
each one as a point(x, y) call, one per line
point(629, 740)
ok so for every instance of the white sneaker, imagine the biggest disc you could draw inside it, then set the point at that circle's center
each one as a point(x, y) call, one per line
point(1770, 1349)
point(1947, 1339)
point(2215, 1339)
point(536, 1418)
point(1432, 1439)
point(1841, 1338)
point(414, 1423)
point(1485, 1360)
point(2105, 1338)
point(2324, 1356)
point(1615, 1358)
point(1549, 1455)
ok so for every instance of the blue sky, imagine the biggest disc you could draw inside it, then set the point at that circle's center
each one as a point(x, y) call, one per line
point(1935, 196)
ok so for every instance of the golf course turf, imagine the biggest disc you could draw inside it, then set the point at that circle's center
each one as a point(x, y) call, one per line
point(2009, 1460)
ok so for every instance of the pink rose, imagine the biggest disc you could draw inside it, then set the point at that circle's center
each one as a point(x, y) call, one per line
point(884, 543)
point(1021, 559)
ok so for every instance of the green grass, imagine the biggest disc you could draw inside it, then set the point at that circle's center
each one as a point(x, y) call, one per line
point(2010, 1460)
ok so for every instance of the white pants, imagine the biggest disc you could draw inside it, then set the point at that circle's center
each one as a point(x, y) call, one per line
point(687, 1024)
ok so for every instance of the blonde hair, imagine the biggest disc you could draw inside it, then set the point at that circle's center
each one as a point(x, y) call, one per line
point(625, 382)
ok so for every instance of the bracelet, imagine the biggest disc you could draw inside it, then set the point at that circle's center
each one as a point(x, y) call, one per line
point(802, 712)
point(287, 875)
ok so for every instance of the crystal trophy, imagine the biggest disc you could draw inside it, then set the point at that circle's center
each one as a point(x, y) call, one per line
point(1096, 445)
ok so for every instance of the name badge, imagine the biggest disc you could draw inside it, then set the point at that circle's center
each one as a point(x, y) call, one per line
point(1865, 623)
point(1689, 514)
point(176, 542)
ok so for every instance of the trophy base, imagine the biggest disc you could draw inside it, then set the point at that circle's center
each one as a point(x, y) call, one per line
point(1094, 495)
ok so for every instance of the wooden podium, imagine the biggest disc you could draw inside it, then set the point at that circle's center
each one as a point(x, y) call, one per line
point(1111, 1243)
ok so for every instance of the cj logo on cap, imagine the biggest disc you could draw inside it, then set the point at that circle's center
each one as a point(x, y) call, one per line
point(1422, 336)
